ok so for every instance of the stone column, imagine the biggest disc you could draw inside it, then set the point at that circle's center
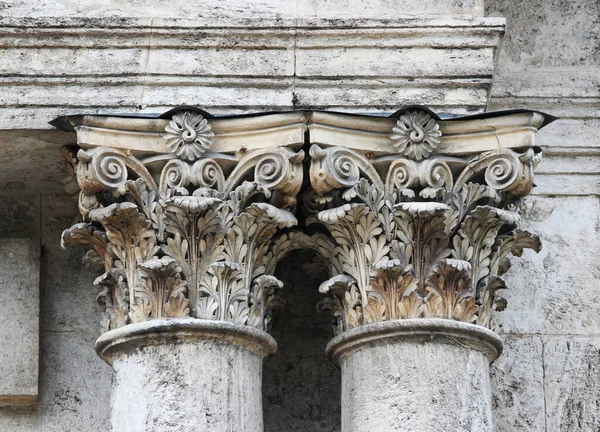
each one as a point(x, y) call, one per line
point(186, 375)
point(422, 215)
point(180, 214)
point(414, 218)
point(416, 375)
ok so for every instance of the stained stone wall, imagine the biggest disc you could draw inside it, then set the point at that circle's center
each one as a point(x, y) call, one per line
point(548, 376)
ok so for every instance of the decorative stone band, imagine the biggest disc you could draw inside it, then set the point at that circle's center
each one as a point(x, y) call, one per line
point(187, 215)
point(183, 330)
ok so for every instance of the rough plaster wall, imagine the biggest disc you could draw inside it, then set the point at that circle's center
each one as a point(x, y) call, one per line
point(546, 380)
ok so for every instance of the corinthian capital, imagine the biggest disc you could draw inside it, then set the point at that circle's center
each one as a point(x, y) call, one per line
point(180, 212)
point(418, 216)
point(422, 213)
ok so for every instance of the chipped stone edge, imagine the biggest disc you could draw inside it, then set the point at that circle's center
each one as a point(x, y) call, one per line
point(425, 330)
point(183, 330)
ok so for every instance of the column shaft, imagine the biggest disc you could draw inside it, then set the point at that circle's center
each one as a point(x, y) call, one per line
point(425, 375)
point(186, 375)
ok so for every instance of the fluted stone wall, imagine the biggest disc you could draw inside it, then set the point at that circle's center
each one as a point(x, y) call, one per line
point(547, 378)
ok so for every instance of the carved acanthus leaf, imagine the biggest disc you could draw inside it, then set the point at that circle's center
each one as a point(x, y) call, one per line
point(395, 239)
point(195, 244)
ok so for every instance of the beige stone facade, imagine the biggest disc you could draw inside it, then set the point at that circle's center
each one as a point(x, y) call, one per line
point(330, 196)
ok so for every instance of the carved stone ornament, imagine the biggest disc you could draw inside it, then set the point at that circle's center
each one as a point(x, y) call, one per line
point(174, 238)
point(422, 239)
point(416, 134)
point(188, 135)
point(420, 223)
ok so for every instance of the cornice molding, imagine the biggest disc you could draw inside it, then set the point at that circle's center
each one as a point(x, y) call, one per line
point(60, 65)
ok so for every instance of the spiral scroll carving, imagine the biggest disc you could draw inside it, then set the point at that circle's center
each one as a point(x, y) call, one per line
point(109, 168)
point(436, 174)
point(271, 170)
point(344, 169)
point(503, 172)
point(175, 174)
point(207, 173)
point(333, 168)
point(402, 174)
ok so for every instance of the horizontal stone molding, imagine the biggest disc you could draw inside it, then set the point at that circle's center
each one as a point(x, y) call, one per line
point(233, 10)
point(107, 65)
point(189, 331)
point(431, 330)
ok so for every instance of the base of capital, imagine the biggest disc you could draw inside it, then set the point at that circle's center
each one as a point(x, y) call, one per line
point(425, 330)
point(181, 331)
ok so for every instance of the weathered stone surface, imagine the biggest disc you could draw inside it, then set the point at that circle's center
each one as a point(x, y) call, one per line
point(572, 135)
point(21, 419)
point(554, 33)
point(186, 375)
point(572, 383)
point(517, 379)
point(20, 214)
point(68, 300)
point(76, 384)
point(29, 165)
point(549, 61)
point(236, 9)
point(20, 300)
point(559, 286)
point(240, 66)
point(400, 376)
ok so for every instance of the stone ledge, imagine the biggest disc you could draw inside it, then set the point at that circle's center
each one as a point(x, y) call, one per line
point(238, 10)
point(53, 66)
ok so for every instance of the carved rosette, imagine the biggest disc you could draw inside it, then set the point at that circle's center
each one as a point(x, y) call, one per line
point(418, 239)
point(185, 236)
point(416, 134)
point(188, 135)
